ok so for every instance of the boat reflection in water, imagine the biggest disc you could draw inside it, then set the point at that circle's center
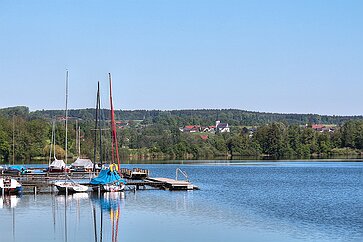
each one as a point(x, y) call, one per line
point(109, 202)
point(9, 201)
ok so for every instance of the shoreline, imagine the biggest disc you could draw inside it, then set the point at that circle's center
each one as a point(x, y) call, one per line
point(204, 161)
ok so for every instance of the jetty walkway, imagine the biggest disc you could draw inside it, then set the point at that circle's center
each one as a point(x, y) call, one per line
point(43, 182)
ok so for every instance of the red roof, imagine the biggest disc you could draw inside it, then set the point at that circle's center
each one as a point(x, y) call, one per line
point(317, 126)
point(204, 137)
point(189, 126)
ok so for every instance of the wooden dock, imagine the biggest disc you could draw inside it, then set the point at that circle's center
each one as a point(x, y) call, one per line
point(171, 184)
point(43, 182)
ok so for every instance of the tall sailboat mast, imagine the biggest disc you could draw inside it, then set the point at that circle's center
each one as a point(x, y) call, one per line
point(77, 135)
point(51, 144)
point(97, 125)
point(66, 116)
point(113, 125)
point(13, 140)
point(79, 141)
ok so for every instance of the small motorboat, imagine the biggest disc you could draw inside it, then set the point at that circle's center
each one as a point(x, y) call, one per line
point(70, 186)
point(10, 186)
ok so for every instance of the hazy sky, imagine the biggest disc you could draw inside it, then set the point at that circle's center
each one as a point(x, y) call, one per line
point(273, 56)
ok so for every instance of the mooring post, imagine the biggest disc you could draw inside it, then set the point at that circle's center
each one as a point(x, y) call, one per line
point(66, 192)
point(35, 190)
point(99, 191)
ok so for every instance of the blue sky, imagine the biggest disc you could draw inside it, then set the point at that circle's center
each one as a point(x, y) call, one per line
point(272, 56)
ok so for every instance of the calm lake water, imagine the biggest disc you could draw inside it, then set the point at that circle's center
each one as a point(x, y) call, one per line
point(239, 201)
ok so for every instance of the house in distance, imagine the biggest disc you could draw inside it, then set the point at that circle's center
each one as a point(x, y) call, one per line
point(218, 128)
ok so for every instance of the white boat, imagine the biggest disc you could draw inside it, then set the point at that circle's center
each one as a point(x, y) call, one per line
point(57, 166)
point(82, 165)
point(70, 187)
point(113, 187)
point(9, 186)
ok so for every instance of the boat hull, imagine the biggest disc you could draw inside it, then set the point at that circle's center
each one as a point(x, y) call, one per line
point(10, 186)
point(109, 188)
point(12, 191)
point(70, 187)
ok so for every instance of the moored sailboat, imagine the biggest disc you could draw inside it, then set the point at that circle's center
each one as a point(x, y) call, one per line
point(69, 185)
point(109, 179)
point(81, 164)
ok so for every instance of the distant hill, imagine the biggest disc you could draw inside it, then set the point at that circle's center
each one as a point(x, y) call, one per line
point(183, 117)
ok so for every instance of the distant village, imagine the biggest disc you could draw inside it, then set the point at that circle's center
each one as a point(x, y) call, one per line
point(220, 127)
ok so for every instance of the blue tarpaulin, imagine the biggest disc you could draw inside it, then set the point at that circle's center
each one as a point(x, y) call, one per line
point(107, 176)
point(17, 167)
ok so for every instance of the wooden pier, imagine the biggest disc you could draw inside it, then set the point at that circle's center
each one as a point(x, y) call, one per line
point(44, 182)
point(171, 184)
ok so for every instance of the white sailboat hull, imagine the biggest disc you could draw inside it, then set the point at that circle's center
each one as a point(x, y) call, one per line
point(70, 187)
point(110, 188)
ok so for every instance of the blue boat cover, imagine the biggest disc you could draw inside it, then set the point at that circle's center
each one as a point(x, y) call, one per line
point(17, 167)
point(107, 176)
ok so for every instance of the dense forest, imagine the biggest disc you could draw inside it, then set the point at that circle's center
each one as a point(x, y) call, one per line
point(202, 116)
point(156, 135)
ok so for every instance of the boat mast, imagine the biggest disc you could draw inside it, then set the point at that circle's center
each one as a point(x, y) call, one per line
point(99, 124)
point(79, 141)
point(54, 140)
point(13, 140)
point(77, 136)
point(96, 126)
point(113, 124)
point(51, 144)
point(66, 115)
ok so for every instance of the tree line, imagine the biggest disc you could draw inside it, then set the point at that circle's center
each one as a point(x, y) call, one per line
point(26, 135)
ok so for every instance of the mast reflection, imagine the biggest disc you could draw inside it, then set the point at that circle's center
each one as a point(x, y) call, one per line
point(111, 203)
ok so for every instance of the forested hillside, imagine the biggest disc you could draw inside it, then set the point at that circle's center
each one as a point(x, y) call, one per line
point(156, 135)
point(203, 116)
